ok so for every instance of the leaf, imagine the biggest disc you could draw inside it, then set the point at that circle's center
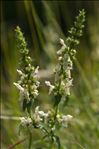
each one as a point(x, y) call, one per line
point(29, 105)
point(57, 99)
point(58, 142)
point(24, 104)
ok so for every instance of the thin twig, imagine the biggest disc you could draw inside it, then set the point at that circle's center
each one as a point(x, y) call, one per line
point(17, 143)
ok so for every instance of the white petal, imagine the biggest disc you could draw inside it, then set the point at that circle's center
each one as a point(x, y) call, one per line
point(62, 41)
point(19, 87)
point(48, 83)
point(36, 70)
point(19, 72)
point(66, 118)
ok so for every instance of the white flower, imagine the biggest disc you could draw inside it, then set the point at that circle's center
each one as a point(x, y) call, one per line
point(19, 72)
point(35, 93)
point(39, 116)
point(35, 75)
point(62, 41)
point(37, 109)
point(34, 90)
point(60, 58)
point(63, 47)
point(19, 87)
point(36, 116)
point(22, 119)
point(66, 118)
point(29, 120)
point(68, 74)
point(48, 83)
point(59, 118)
point(51, 87)
point(33, 87)
point(36, 70)
point(43, 114)
point(23, 91)
point(59, 52)
point(67, 91)
point(40, 113)
point(37, 83)
point(25, 121)
point(67, 86)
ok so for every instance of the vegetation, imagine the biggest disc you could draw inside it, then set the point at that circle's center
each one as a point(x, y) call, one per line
point(67, 116)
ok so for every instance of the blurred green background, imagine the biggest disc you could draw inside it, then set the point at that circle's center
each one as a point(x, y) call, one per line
point(43, 23)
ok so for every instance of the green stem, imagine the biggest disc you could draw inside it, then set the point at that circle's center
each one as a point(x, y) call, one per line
point(30, 140)
point(51, 145)
point(56, 110)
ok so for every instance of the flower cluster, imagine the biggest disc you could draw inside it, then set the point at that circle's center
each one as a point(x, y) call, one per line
point(66, 54)
point(63, 79)
point(40, 118)
point(26, 121)
point(28, 83)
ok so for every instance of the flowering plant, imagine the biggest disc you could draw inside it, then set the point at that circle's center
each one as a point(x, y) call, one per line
point(28, 84)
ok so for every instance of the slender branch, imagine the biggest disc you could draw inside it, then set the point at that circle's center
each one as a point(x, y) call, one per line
point(17, 143)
